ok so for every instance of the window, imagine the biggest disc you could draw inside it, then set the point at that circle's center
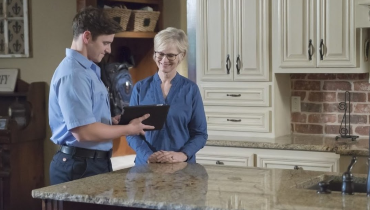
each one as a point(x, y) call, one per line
point(14, 28)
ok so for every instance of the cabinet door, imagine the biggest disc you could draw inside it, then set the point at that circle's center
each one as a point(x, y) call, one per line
point(336, 34)
point(296, 35)
point(238, 200)
point(214, 41)
point(251, 57)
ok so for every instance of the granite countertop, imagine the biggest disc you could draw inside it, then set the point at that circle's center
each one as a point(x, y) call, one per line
point(318, 143)
point(193, 186)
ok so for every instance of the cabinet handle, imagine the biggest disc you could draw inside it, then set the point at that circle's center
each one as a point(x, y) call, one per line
point(238, 65)
point(310, 50)
point(297, 168)
point(228, 64)
point(233, 120)
point(366, 50)
point(219, 162)
point(322, 49)
point(234, 95)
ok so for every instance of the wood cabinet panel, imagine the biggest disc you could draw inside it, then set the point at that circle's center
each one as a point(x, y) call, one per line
point(21, 149)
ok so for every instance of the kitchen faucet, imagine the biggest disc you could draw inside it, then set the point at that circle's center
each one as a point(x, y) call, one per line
point(348, 186)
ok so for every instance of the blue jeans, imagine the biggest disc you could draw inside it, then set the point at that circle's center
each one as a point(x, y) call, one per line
point(65, 168)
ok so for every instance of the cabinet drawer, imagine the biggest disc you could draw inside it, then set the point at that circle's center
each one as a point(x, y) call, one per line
point(240, 119)
point(311, 166)
point(327, 162)
point(222, 161)
point(236, 94)
point(229, 156)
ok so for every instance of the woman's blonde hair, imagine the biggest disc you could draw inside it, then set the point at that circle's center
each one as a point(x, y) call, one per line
point(171, 36)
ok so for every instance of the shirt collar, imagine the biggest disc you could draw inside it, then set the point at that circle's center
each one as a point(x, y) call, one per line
point(173, 81)
point(86, 63)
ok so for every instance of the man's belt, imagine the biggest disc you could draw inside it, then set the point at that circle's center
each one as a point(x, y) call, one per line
point(85, 153)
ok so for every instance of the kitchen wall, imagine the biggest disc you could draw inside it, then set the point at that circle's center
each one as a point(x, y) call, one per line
point(320, 96)
point(49, 36)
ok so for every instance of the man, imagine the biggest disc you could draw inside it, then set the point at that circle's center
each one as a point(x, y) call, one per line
point(79, 113)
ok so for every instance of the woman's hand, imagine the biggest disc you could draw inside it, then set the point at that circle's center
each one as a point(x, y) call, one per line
point(167, 157)
point(167, 168)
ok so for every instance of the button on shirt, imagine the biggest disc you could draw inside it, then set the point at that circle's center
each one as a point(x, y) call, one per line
point(185, 129)
point(77, 97)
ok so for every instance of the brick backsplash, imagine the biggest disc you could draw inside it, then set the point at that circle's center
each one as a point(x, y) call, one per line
point(320, 97)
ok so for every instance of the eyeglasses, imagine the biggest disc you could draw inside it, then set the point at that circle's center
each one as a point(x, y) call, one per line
point(169, 56)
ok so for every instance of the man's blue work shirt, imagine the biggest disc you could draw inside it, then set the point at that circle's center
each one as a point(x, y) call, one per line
point(185, 129)
point(77, 97)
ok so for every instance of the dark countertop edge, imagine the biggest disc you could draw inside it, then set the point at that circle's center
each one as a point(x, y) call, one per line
point(38, 194)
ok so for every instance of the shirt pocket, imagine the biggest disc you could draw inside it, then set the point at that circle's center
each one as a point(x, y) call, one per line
point(100, 98)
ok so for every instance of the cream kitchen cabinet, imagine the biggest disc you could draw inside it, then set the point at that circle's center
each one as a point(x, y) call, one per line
point(317, 36)
point(233, 70)
point(232, 40)
point(269, 158)
point(232, 200)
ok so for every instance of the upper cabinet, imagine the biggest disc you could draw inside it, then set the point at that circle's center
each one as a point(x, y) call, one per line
point(314, 34)
point(233, 69)
point(232, 40)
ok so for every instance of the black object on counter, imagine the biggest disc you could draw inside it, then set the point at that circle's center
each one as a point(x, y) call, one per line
point(345, 131)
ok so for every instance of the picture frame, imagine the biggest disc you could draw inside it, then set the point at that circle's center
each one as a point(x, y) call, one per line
point(3, 123)
point(14, 29)
point(8, 78)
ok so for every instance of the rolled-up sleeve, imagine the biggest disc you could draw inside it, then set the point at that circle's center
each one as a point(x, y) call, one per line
point(75, 103)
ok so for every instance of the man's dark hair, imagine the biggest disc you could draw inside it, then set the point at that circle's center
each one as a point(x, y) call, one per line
point(96, 21)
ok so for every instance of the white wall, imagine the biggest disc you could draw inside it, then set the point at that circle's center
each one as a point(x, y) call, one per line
point(50, 24)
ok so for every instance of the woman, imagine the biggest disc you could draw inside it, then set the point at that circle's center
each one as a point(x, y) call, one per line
point(185, 129)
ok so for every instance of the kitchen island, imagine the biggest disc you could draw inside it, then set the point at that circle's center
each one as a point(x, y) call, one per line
point(193, 186)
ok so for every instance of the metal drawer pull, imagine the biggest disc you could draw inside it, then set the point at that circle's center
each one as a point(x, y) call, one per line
point(297, 168)
point(228, 64)
point(234, 95)
point(233, 120)
point(366, 50)
point(310, 50)
point(322, 49)
point(219, 162)
point(238, 65)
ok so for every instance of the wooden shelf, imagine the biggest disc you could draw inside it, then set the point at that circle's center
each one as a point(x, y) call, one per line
point(134, 34)
point(14, 94)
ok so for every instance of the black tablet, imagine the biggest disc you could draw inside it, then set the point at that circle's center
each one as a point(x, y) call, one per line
point(158, 114)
